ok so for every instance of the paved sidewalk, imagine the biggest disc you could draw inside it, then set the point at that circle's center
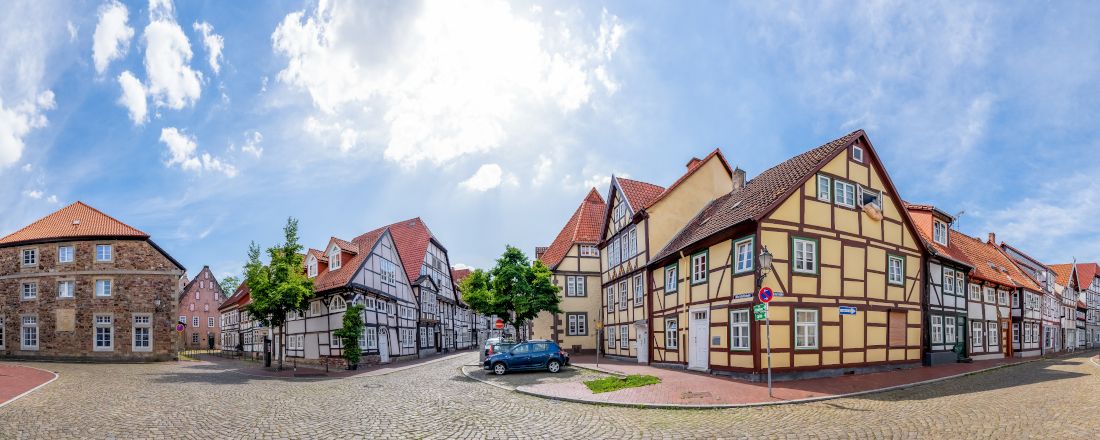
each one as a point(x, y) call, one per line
point(694, 389)
point(16, 380)
point(290, 371)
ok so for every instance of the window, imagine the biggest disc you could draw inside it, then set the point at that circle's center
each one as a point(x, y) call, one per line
point(948, 281)
point(194, 321)
point(338, 304)
point(102, 287)
point(805, 329)
point(739, 330)
point(939, 232)
point(870, 197)
point(824, 192)
point(610, 299)
point(103, 252)
point(183, 319)
point(638, 288)
point(949, 330)
point(975, 292)
point(805, 255)
point(1048, 340)
point(672, 338)
point(959, 281)
point(388, 272)
point(315, 308)
point(588, 250)
point(976, 335)
point(575, 285)
point(29, 333)
point(671, 278)
point(334, 341)
point(992, 334)
point(699, 268)
point(143, 335)
point(210, 321)
point(408, 337)
point(65, 254)
point(622, 294)
point(30, 290)
point(937, 329)
point(611, 337)
point(990, 295)
point(1002, 298)
point(104, 329)
point(624, 337)
point(311, 266)
point(896, 268)
point(743, 255)
point(857, 153)
point(577, 324)
point(845, 194)
point(30, 257)
point(334, 258)
point(630, 243)
point(369, 340)
point(1016, 333)
point(613, 255)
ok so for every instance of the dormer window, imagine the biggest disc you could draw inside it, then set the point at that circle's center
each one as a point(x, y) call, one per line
point(311, 266)
point(939, 232)
point(857, 153)
point(338, 304)
point(334, 258)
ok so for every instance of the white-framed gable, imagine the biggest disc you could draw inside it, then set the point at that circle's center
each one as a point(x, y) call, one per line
point(619, 211)
point(437, 266)
point(381, 271)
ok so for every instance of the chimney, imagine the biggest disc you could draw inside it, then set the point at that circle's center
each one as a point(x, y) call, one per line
point(992, 238)
point(693, 162)
point(738, 178)
point(539, 251)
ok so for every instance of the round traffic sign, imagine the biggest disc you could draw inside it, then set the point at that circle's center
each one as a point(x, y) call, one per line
point(499, 324)
point(765, 294)
point(179, 327)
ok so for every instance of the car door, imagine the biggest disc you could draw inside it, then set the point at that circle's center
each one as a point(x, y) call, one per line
point(521, 357)
point(540, 354)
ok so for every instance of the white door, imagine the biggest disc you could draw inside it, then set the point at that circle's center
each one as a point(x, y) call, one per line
point(384, 345)
point(698, 348)
point(642, 340)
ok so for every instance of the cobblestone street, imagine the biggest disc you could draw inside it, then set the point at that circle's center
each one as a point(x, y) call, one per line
point(1045, 399)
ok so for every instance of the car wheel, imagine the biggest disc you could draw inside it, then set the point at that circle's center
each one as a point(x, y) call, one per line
point(499, 368)
point(554, 366)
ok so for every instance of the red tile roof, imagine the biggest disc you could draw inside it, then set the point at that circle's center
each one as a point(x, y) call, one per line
point(991, 263)
point(951, 251)
point(1062, 273)
point(319, 255)
point(410, 237)
point(582, 227)
point(639, 194)
point(328, 279)
point(1087, 272)
point(459, 274)
point(241, 297)
point(757, 196)
point(74, 221)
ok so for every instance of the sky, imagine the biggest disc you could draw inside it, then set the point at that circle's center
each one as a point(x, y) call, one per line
point(207, 124)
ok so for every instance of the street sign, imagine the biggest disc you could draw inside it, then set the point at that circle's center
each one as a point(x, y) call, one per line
point(847, 310)
point(180, 327)
point(499, 324)
point(760, 312)
point(765, 294)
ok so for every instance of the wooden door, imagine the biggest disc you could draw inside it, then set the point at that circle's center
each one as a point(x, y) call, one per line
point(1006, 336)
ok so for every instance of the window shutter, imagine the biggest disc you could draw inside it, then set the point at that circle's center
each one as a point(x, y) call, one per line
point(897, 329)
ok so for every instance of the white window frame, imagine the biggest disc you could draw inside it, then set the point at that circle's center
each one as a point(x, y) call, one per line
point(104, 253)
point(388, 272)
point(824, 188)
point(624, 337)
point(976, 329)
point(937, 329)
point(939, 231)
point(974, 292)
point(623, 292)
point(311, 266)
point(334, 262)
point(61, 253)
point(993, 337)
point(672, 334)
point(611, 337)
point(638, 291)
point(103, 287)
point(743, 254)
point(577, 324)
point(195, 321)
point(1015, 333)
point(700, 267)
point(338, 304)
point(949, 330)
point(948, 281)
point(805, 256)
point(895, 278)
point(588, 250)
point(844, 194)
point(610, 298)
point(142, 321)
point(29, 290)
point(857, 153)
point(806, 330)
point(210, 322)
point(740, 330)
point(989, 295)
point(29, 322)
point(862, 191)
point(105, 322)
point(29, 257)
point(672, 278)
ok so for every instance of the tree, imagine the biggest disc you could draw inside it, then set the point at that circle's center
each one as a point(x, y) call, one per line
point(279, 287)
point(515, 290)
point(229, 284)
point(350, 332)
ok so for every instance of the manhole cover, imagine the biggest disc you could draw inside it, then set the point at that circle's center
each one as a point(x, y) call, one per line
point(694, 395)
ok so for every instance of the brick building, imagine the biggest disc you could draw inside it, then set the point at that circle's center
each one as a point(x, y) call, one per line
point(78, 284)
point(198, 310)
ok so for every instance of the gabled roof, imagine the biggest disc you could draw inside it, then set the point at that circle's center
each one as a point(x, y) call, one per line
point(758, 196)
point(582, 227)
point(991, 263)
point(1086, 272)
point(457, 275)
point(951, 251)
point(319, 255)
point(693, 166)
point(74, 221)
point(345, 246)
point(639, 194)
point(1063, 272)
point(411, 237)
point(217, 285)
point(328, 279)
point(242, 296)
point(1025, 256)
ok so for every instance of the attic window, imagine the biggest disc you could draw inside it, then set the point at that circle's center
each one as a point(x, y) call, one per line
point(311, 266)
point(334, 258)
point(76, 222)
point(939, 232)
point(857, 153)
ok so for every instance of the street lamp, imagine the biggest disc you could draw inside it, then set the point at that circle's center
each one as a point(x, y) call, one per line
point(765, 267)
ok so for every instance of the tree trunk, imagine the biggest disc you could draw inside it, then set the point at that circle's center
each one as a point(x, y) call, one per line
point(519, 336)
point(282, 344)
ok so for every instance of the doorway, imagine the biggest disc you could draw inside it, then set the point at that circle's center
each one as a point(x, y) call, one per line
point(699, 332)
point(641, 338)
point(383, 345)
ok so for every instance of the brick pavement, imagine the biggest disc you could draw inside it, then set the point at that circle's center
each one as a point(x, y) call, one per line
point(16, 380)
point(1045, 399)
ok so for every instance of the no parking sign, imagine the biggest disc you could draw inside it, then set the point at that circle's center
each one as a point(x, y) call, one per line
point(765, 294)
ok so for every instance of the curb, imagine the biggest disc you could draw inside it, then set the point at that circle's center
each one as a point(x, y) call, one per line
point(762, 404)
point(462, 369)
point(600, 370)
point(24, 394)
point(359, 375)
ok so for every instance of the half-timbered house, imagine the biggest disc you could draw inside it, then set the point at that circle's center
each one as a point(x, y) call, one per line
point(1002, 302)
point(230, 317)
point(946, 268)
point(640, 218)
point(428, 270)
point(1068, 285)
point(574, 260)
point(838, 236)
point(1051, 303)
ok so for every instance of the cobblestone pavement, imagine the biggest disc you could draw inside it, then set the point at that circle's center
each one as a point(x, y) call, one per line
point(1045, 399)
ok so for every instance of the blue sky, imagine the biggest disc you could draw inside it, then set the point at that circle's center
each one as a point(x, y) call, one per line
point(207, 123)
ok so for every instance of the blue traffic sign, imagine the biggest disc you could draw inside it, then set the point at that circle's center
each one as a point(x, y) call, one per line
point(847, 310)
point(765, 294)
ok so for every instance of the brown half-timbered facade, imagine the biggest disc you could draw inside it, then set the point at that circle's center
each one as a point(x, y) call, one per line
point(839, 237)
point(945, 300)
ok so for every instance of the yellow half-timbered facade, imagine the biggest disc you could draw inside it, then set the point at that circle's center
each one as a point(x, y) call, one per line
point(840, 241)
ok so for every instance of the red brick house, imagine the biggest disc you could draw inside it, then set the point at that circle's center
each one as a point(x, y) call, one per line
point(198, 311)
point(79, 284)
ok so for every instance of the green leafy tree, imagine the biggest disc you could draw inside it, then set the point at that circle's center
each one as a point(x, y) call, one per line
point(514, 290)
point(279, 287)
point(350, 332)
point(230, 284)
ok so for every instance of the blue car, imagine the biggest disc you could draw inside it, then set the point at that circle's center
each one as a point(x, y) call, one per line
point(530, 355)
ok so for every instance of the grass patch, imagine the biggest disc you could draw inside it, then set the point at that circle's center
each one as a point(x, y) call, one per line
point(612, 383)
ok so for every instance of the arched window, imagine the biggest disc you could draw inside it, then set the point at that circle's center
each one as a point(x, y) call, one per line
point(338, 304)
point(334, 258)
point(311, 266)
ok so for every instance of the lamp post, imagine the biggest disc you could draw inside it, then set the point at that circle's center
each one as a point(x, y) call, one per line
point(765, 260)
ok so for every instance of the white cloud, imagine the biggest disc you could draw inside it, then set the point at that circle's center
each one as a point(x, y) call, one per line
point(28, 167)
point(183, 151)
point(16, 122)
point(544, 170)
point(111, 39)
point(133, 97)
point(441, 80)
point(487, 177)
point(73, 30)
point(252, 143)
point(52, 199)
point(213, 43)
point(171, 81)
point(34, 194)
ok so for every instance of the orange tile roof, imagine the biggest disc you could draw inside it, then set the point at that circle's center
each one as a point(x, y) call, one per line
point(639, 194)
point(1086, 272)
point(982, 255)
point(924, 229)
point(241, 297)
point(582, 227)
point(1062, 273)
point(328, 279)
point(74, 221)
